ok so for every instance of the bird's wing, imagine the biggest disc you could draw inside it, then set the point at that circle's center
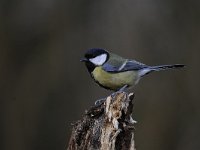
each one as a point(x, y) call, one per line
point(126, 65)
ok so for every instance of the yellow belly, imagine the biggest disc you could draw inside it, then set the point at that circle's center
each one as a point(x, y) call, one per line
point(115, 81)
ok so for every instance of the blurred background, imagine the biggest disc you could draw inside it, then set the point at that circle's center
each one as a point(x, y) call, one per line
point(44, 87)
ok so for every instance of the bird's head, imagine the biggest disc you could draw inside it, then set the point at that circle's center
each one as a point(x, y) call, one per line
point(95, 57)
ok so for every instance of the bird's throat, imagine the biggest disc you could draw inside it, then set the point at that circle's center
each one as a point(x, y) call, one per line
point(90, 66)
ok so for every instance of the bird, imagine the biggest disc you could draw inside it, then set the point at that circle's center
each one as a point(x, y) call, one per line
point(114, 72)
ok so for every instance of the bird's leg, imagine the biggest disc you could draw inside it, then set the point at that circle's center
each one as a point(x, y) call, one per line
point(102, 100)
point(122, 89)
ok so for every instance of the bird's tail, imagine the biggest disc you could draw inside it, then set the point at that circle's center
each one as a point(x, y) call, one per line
point(165, 67)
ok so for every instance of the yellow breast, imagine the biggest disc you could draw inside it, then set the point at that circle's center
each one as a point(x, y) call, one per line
point(115, 81)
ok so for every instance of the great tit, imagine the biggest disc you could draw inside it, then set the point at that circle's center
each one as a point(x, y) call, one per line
point(115, 72)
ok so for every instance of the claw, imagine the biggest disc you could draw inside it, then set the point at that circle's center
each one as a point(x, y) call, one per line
point(99, 101)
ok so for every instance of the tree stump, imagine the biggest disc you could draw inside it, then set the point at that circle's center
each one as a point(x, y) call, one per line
point(108, 126)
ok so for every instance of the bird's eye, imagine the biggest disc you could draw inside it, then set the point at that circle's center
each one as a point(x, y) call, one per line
point(89, 56)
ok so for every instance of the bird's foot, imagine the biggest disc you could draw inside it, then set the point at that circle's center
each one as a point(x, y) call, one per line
point(123, 89)
point(100, 101)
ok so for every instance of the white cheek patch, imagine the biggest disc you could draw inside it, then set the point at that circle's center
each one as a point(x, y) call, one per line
point(99, 60)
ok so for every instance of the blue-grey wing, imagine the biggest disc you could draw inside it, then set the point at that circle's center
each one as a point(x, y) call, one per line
point(128, 65)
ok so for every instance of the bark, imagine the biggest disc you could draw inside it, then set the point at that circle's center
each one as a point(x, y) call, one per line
point(108, 126)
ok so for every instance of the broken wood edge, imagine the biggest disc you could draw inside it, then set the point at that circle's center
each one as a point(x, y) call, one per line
point(107, 126)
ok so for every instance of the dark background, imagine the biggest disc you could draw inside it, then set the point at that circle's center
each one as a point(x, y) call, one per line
point(44, 87)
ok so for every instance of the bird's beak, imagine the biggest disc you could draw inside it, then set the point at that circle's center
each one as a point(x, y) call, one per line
point(83, 60)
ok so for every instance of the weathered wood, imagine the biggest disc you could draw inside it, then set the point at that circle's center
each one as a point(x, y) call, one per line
point(108, 126)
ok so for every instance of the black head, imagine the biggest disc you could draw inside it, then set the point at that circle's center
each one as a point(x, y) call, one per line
point(95, 57)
